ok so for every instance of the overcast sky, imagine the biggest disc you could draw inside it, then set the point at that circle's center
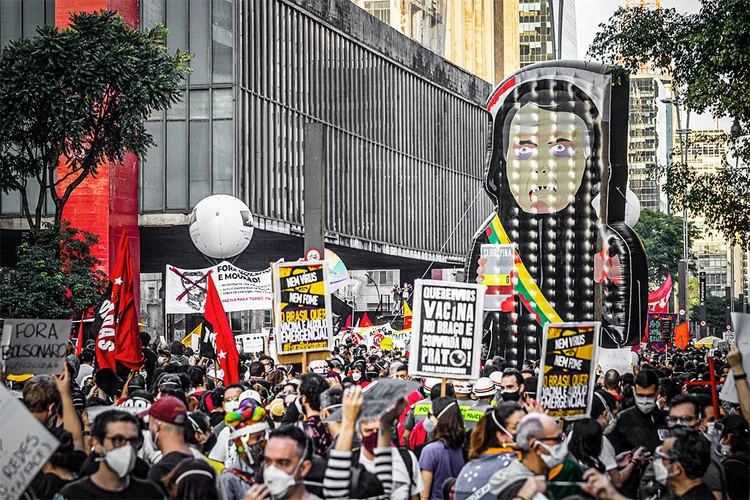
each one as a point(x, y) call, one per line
point(591, 13)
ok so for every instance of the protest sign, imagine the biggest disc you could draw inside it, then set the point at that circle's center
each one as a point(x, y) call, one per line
point(36, 346)
point(302, 307)
point(239, 290)
point(567, 384)
point(447, 330)
point(741, 324)
point(25, 446)
point(249, 342)
point(496, 267)
point(614, 359)
point(661, 327)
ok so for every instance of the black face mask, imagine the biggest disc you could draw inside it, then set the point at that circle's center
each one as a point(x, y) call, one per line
point(510, 396)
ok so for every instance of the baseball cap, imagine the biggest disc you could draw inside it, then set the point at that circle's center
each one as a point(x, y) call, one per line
point(168, 409)
point(276, 408)
point(251, 394)
point(484, 387)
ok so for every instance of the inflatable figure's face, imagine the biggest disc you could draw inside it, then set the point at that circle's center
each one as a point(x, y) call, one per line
point(546, 158)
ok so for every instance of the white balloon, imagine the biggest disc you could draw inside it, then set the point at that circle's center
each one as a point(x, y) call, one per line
point(221, 226)
point(632, 208)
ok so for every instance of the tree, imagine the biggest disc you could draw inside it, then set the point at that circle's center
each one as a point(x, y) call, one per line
point(55, 277)
point(75, 98)
point(716, 312)
point(661, 235)
point(708, 57)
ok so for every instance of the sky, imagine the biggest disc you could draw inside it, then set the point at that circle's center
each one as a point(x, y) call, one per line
point(591, 13)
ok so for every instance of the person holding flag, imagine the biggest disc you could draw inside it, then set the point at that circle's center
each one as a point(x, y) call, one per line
point(217, 341)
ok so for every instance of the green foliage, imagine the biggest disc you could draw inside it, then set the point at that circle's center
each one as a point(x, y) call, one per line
point(55, 278)
point(708, 56)
point(76, 98)
point(716, 312)
point(662, 237)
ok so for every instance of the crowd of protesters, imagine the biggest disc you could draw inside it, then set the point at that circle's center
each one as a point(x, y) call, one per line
point(173, 430)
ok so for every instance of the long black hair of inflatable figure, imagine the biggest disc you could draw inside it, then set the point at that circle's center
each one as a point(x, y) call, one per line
point(557, 171)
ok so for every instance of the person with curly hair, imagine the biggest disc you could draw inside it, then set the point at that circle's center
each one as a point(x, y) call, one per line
point(443, 457)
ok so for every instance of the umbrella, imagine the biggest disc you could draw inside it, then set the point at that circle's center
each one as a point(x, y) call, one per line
point(378, 397)
point(707, 341)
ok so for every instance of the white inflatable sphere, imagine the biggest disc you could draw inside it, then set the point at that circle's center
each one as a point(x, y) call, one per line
point(221, 226)
point(632, 208)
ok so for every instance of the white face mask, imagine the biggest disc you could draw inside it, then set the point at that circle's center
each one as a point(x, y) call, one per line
point(710, 430)
point(160, 360)
point(278, 481)
point(231, 406)
point(557, 454)
point(661, 474)
point(356, 376)
point(121, 460)
point(645, 404)
point(429, 425)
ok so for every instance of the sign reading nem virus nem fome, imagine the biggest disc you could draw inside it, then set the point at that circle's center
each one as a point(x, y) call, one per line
point(446, 336)
point(302, 307)
point(568, 368)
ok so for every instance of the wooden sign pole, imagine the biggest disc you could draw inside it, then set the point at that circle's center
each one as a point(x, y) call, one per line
point(442, 387)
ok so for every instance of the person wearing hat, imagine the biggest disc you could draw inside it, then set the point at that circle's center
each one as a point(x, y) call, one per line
point(166, 424)
point(421, 409)
point(247, 427)
point(465, 404)
point(484, 392)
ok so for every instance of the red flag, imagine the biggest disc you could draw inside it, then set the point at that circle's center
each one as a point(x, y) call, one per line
point(658, 300)
point(116, 324)
point(79, 342)
point(365, 322)
point(348, 322)
point(217, 330)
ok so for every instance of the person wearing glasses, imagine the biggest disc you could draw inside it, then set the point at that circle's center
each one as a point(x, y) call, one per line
point(543, 448)
point(681, 462)
point(114, 437)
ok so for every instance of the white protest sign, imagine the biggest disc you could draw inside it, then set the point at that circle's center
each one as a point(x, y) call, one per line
point(25, 446)
point(614, 359)
point(249, 342)
point(239, 290)
point(36, 346)
point(741, 323)
point(447, 329)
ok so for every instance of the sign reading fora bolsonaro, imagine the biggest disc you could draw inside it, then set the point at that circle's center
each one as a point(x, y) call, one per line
point(36, 346)
point(446, 339)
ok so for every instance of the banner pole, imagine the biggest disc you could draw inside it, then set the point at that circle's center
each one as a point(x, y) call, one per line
point(442, 387)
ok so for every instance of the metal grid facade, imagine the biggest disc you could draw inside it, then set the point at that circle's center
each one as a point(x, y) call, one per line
point(405, 155)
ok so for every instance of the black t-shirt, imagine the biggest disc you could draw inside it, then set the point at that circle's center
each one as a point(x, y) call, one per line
point(165, 466)
point(84, 489)
point(700, 492)
point(46, 485)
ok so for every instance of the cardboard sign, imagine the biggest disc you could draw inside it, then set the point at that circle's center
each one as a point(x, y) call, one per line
point(568, 353)
point(661, 327)
point(741, 324)
point(497, 267)
point(36, 346)
point(25, 446)
point(447, 329)
point(249, 343)
point(615, 359)
point(302, 307)
point(239, 290)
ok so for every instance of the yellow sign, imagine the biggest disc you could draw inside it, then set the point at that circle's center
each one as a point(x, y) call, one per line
point(386, 343)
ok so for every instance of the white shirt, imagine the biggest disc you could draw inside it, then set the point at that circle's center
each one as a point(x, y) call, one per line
point(401, 479)
point(607, 456)
point(84, 372)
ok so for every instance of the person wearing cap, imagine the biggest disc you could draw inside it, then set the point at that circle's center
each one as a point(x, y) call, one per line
point(114, 436)
point(247, 428)
point(465, 404)
point(484, 392)
point(166, 425)
point(224, 450)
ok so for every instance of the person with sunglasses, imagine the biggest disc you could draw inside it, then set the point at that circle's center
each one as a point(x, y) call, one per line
point(114, 437)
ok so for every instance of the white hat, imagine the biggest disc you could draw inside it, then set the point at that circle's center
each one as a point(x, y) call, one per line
point(484, 387)
point(251, 394)
point(319, 366)
point(497, 378)
point(430, 382)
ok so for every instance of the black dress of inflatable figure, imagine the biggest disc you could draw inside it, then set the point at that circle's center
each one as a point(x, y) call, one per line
point(557, 171)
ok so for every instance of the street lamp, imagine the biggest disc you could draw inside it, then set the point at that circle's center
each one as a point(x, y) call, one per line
point(684, 135)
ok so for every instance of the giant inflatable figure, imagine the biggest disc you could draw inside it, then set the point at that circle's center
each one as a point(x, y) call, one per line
point(557, 172)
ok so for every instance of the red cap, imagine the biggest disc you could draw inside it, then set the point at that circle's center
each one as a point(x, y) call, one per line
point(168, 409)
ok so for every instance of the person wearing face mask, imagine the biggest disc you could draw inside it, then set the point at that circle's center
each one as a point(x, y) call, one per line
point(287, 461)
point(114, 435)
point(639, 426)
point(419, 410)
point(230, 402)
point(733, 447)
point(618, 467)
point(310, 389)
point(543, 448)
point(685, 411)
point(492, 449)
point(484, 393)
point(442, 458)
point(166, 424)
point(247, 428)
point(199, 437)
point(358, 376)
point(681, 462)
